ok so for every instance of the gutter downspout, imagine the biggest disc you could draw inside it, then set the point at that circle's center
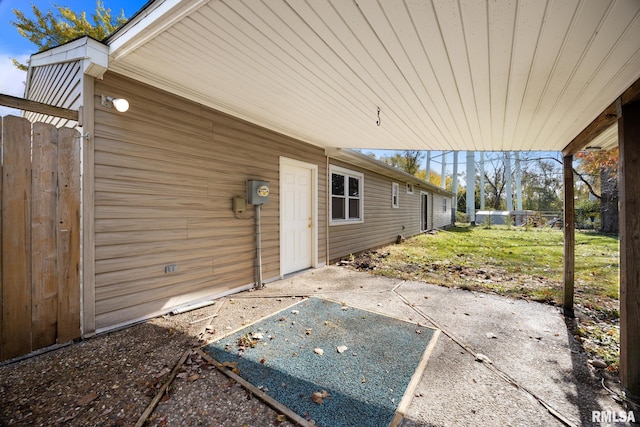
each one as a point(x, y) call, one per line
point(328, 211)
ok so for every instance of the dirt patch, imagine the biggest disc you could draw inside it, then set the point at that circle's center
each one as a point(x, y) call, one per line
point(448, 273)
point(103, 381)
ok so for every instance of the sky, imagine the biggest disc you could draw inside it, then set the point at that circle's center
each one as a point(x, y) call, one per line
point(13, 45)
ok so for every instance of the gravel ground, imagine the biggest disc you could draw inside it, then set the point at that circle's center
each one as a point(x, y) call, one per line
point(110, 379)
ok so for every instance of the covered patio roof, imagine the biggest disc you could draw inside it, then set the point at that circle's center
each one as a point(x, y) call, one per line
point(393, 74)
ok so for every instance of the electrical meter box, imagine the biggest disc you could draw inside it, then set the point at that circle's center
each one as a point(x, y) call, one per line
point(257, 192)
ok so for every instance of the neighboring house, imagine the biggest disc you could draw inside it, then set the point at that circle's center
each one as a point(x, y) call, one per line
point(158, 181)
point(492, 217)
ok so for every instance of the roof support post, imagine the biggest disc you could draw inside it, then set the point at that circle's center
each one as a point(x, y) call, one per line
point(471, 187)
point(518, 181)
point(428, 166)
point(569, 235)
point(629, 187)
point(454, 187)
point(507, 174)
point(443, 180)
point(482, 180)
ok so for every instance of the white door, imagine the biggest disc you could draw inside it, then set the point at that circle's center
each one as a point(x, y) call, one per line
point(297, 217)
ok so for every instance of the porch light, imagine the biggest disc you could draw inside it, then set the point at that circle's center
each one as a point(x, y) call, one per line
point(120, 104)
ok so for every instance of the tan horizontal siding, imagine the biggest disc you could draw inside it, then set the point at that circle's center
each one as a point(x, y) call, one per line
point(191, 290)
point(116, 280)
point(382, 223)
point(165, 174)
point(441, 218)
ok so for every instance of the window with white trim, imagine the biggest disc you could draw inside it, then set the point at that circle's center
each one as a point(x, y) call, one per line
point(395, 195)
point(444, 205)
point(409, 188)
point(346, 195)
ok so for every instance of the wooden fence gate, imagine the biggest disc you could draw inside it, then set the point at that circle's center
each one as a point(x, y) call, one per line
point(39, 236)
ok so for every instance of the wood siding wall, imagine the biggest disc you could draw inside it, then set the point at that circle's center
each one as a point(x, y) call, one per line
point(382, 223)
point(165, 175)
point(59, 85)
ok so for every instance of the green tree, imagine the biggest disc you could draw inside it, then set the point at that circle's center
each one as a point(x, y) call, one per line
point(599, 170)
point(542, 186)
point(55, 27)
point(407, 160)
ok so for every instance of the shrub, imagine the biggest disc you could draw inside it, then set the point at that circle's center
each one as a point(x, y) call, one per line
point(587, 214)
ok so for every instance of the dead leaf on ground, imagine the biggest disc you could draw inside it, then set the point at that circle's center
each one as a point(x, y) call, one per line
point(319, 396)
point(231, 365)
point(193, 377)
point(482, 358)
point(87, 398)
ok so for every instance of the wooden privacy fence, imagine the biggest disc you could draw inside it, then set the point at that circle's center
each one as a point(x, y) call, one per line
point(39, 235)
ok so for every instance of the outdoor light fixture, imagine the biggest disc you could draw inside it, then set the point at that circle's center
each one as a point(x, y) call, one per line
point(120, 104)
point(593, 148)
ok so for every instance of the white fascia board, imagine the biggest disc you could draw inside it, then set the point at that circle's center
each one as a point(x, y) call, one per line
point(93, 55)
point(152, 21)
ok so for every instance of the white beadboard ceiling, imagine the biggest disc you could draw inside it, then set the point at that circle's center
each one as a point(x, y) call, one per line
point(446, 74)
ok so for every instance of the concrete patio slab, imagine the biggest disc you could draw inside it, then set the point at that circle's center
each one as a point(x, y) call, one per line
point(497, 361)
point(533, 371)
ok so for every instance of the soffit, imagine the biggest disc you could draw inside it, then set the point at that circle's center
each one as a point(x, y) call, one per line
point(446, 75)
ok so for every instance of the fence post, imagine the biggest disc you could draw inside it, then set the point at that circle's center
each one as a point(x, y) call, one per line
point(43, 239)
point(68, 234)
point(16, 236)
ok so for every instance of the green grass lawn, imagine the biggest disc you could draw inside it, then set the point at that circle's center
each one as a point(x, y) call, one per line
point(517, 262)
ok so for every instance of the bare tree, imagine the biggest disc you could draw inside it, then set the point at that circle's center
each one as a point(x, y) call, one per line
point(494, 176)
